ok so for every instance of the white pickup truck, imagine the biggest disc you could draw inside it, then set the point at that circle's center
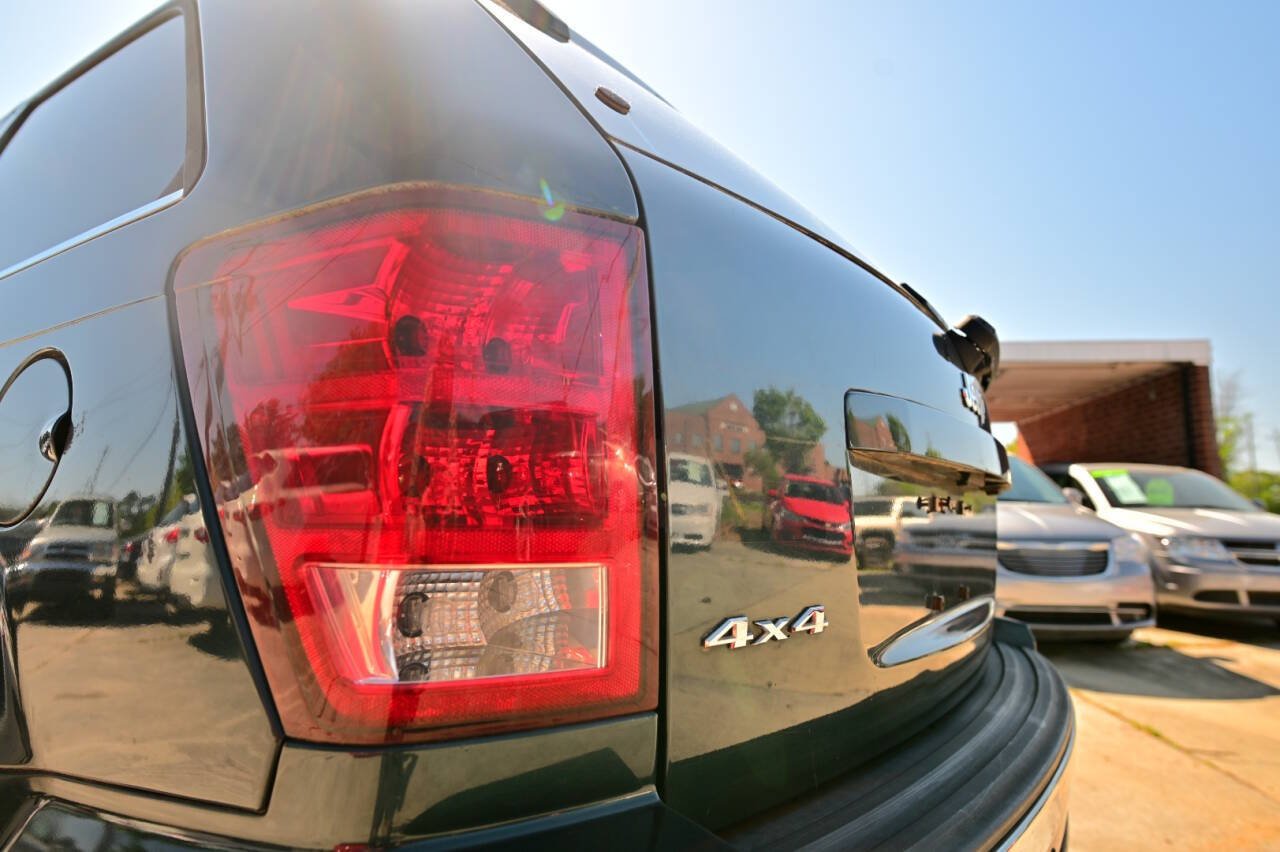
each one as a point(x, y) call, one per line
point(879, 520)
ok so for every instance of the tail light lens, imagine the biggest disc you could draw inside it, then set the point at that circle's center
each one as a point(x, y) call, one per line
point(426, 413)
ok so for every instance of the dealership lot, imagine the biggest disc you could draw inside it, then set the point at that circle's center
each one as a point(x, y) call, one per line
point(1178, 737)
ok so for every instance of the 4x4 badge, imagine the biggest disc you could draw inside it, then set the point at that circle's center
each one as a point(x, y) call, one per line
point(735, 632)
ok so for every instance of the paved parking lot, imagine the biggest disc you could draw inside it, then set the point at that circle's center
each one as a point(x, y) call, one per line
point(1178, 738)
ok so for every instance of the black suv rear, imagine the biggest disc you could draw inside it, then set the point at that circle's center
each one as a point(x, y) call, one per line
point(362, 334)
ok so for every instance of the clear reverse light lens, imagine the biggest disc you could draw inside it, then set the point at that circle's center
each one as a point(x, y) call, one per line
point(439, 623)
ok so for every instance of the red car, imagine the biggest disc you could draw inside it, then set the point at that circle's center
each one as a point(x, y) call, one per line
point(810, 513)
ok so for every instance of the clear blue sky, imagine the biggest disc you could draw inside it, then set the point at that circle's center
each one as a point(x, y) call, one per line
point(1069, 170)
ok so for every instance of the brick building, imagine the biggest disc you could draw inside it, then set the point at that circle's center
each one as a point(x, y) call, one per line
point(723, 430)
point(1126, 401)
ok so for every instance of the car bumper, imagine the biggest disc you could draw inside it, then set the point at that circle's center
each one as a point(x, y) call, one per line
point(59, 581)
point(692, 530)
point(812, 538)
point(1109, 604)
point(640, 822)
point(991, 772)
point(199, 588)
point(1254, 591)
point(994, 772)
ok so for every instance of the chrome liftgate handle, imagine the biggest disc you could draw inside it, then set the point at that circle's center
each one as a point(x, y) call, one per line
point(914, 443)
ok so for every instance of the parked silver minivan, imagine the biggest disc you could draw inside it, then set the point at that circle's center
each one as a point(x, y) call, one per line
point(1213, 550)
point(1064, 571)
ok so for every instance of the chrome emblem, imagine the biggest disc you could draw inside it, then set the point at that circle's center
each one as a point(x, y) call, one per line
point(971, 396)
point(735, 632)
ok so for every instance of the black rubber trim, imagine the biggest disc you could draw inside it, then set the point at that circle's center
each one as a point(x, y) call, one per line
point(964, 782)
point(1015, 633)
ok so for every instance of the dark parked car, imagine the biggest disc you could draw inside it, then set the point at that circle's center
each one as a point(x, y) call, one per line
point(385, 288)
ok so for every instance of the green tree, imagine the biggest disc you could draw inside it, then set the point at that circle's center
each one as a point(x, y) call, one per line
point(762, 462)
point(792, 427)
point(901, 435)
point(1259, 485)
point(1230, 421)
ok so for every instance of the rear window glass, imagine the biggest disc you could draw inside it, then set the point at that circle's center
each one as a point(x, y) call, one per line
point(686, 470)
point(84, 513)
point(873, 507)
point(112, 140)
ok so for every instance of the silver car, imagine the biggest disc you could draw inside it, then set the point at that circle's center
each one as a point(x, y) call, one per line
point(1213, 551)
point(1062, 570)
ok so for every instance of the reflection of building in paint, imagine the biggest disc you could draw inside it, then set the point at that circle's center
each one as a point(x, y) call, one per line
point(725, 431)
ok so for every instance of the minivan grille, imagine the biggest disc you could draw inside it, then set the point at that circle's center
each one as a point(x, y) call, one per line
point(1254, 552)
point(1058, 561)
point(948, 540)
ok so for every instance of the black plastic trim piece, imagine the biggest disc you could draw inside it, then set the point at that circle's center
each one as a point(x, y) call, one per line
point(1010, 631)
point(965, 782)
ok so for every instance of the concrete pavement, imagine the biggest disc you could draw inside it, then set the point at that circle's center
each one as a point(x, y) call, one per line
point(1178, 739)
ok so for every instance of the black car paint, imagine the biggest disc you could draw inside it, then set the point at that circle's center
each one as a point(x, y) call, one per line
point(338, 120)
point(191, 725)
point(793, 706)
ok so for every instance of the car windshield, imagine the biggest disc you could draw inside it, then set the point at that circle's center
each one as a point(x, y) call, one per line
point(1030, 485)
point(688, 470)
point(815, 491)
point(873, 507)
point(1168, 488)
point(83, 513)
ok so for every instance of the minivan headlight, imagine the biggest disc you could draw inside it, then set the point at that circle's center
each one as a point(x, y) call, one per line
point(1196, 549)
point(1128, 548)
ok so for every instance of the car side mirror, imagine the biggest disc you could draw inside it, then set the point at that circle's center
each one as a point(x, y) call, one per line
point(1075, 495)
point(1260, 503)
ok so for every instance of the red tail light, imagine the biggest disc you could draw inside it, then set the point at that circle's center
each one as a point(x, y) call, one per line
point(172, 536)
point(424, 412)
